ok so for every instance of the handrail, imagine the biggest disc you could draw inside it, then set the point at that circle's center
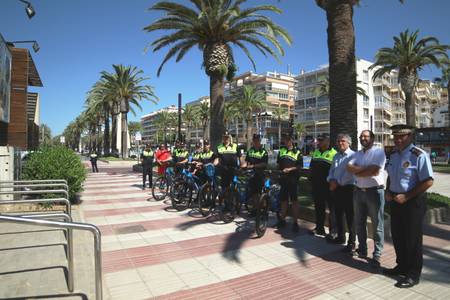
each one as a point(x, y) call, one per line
point(53, 200)
point(9, 185)
point(69, 238)
point(35, 181)
point(35, 192)
point(81, 226)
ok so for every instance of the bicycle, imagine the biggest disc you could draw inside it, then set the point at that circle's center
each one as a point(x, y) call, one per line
point(185, 189)
point(208, 191)
point(269, 201)
point(162, 185)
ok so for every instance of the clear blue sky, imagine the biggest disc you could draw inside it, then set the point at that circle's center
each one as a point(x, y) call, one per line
point(80, 38)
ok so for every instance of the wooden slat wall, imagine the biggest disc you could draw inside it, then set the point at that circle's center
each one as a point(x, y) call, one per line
point(17, 128)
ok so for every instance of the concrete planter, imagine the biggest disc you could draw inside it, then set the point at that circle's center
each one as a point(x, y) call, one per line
point(437, 215)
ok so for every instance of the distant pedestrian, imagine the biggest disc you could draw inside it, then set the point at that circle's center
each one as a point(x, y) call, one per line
point(341, 187)
point(93, 158)
point(367, 165)
point(410, 175)
point(147, 166)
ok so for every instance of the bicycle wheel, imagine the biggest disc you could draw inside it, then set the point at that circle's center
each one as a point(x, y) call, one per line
point(160, 188)
point(228, 211)
point(179, 195)
point(262, 215)
point(206, 199)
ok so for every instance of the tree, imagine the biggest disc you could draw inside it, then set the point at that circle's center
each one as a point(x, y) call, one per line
point(342, 66)
point(409, 55)
point(134, 127)
point(323, 88)
point(229, 113)
point(45, 134)
point(190, 117)
point(126, 85)
point(247, 101)
point(299, 130)
point(214, 26)
point(280, 113)
point(204, 114)
point(165, 122)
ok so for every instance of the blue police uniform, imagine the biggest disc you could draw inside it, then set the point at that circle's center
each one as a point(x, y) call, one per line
point(406, 169)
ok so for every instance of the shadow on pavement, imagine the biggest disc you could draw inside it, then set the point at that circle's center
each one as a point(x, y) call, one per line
point(53, 296)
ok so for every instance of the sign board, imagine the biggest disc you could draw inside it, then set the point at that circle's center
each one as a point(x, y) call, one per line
point(62, 139)
point(138, 137)
point(5, 80)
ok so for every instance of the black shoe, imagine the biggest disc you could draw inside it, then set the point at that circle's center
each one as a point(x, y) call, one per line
point(143, 188)
point(316, 231)
point(335, 240)
point(281, 224)
point(359, 253)
point(295, 227)
point(392, 272)
point(375, 262)
point(406, 283)
point(349, 248)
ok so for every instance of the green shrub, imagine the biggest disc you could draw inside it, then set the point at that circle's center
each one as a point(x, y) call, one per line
point(56, 163)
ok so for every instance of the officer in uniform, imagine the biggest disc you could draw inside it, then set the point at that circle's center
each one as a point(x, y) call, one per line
point(256, 158)
point(196, 158)
point(319, 168)
point(180, 156)
point(147, 157)
point(290, 161)
point(410, 175)
point(227, 157)
point(207, 156)
point(93, 158)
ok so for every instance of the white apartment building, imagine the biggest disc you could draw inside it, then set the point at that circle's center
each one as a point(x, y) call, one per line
point(440, 116)
point(149, 128)
point(196, 132)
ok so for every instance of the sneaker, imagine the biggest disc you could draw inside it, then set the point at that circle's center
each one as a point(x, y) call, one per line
point(316, 231)
point(143, 188)
point(359, 253)
point(281, 224)
point(295, 227)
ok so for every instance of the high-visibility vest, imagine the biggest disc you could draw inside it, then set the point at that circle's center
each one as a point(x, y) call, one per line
point(326, 156)
point(147, 153)
point(292, 154)
point(258, 154)
point(231, 149)
point(93, 155)
point(180, 153)
point(206, 155)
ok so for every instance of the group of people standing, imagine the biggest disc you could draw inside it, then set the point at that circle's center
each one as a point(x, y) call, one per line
point(353, 184)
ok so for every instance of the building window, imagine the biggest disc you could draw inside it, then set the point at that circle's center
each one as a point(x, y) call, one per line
point(366, 113)
point(365, 75)
point(310, 102)
point(365, 101)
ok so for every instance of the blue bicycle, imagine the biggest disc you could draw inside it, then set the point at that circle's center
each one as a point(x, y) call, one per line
point(269, 201)
point(185, 190)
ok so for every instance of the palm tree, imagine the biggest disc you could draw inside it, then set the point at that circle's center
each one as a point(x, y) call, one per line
point(127, 86)
point(190, 116)
point(342, 66)
point(45, 134)
point(248, 100)
point(409, 55)
point(280, 113)
point(323, 88)
point(228, 114)
point(299, 129)
point(165, 123)
point(445, 82)
point(204, 115)
point(214, 26)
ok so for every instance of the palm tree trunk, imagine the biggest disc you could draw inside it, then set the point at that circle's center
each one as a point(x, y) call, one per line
point(124, 150)
point(114, 133)
point(99, 144)
point(217, 104)
point(236, 124)
point(342, 68)
point(448, 99)
point(106, 134)
point(249, 132)
point(408, 82)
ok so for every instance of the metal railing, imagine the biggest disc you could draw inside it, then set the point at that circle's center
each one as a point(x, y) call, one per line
point(70, 226)
point(35, 181)
point(38, 185)
point(35, 192)
point(66, 202)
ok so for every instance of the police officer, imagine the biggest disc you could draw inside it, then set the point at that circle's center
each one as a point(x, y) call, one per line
point(180, 156)
point(410, 175)
point(256, 158)
point(93, 158)
point(227, 156)
point(207, 156)
point(319, 168)
point(196, 158)
point(290, 161)
point(147, 157)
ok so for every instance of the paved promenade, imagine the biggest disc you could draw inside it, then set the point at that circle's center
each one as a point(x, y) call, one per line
point(151, 251)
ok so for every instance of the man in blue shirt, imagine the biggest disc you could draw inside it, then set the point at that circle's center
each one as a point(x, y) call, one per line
point(410, 175)
point(341, 186)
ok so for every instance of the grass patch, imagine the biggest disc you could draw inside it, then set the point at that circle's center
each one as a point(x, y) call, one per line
point(112, 158)
point(441, 168)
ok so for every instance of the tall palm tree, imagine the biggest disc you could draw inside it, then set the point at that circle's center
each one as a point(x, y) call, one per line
point(204, 113)
point(165, 123)
point(299, 129)
point(214, 26)
point(248, 100)
point(409, 55)
point(127, 86)
point(228, 114)
point(189, 116)
point(281, 114)
point(323, 88)
point(342, 66)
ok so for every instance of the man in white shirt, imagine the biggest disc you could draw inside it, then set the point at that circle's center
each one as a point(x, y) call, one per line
point(367, 166)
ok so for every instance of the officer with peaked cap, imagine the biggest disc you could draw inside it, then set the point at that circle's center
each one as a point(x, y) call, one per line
point(410, 175)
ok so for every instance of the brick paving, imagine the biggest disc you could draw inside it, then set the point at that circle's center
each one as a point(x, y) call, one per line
point(152, 251)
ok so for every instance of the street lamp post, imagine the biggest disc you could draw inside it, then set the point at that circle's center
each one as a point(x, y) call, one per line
point(35, 44)
point(29, 9)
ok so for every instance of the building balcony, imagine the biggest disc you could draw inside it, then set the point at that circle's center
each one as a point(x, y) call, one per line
point(381, 81)
point(382, 130)
point(383, 105)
